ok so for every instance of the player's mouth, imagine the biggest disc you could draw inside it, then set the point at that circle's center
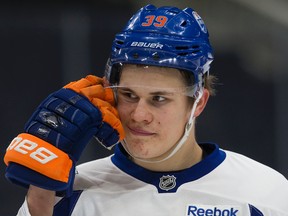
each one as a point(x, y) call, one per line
point(139, 132)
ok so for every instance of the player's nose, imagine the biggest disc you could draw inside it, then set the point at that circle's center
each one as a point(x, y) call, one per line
point(141, 112)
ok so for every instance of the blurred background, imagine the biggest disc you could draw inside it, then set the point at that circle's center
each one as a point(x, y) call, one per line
point(45, 45)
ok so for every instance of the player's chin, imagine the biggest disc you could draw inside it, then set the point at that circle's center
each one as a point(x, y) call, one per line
point(138, 147)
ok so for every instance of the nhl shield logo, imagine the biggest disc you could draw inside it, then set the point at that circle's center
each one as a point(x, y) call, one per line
point(167, 182)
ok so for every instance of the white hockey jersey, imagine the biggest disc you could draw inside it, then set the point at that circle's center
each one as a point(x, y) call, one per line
point(223, 184)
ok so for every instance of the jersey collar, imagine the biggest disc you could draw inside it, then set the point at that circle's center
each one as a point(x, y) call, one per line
point(169, 182)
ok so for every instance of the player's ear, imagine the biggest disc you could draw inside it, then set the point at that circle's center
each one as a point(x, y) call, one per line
point(202, 103)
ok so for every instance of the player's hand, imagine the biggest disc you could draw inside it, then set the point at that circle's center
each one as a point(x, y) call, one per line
point(59, 130)
point(92, 87)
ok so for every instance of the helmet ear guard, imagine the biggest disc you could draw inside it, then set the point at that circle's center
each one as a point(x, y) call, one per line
point(113, 72)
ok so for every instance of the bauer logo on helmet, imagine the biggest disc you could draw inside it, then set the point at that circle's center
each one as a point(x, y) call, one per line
point(146, 44)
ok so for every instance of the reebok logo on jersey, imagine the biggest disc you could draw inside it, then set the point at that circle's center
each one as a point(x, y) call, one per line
point(205, 210)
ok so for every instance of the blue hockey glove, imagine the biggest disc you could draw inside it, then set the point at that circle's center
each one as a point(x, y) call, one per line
point(57, 133)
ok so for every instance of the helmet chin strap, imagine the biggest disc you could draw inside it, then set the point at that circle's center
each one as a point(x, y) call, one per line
point(188, 128)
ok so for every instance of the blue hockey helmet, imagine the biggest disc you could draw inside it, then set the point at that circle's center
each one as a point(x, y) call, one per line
point(164, 36)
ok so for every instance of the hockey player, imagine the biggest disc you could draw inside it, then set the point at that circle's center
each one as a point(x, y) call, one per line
point(156, 84)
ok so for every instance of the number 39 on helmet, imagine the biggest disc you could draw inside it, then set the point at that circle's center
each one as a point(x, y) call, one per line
point(165, 37)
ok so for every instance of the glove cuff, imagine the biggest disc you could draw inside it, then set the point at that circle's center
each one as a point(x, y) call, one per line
point(40, 156)
point(24, 177)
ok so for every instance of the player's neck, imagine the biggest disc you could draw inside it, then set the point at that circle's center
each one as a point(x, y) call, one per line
point(189, 154)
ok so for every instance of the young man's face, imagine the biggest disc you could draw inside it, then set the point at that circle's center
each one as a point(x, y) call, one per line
point(152, 110)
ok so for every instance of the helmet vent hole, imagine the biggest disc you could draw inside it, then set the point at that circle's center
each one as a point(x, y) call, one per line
point(184, 23)
point(156, 56)
point(196, 51)
point(183, 54)
point(135, 55)
point(119, 42)
point(181, 47)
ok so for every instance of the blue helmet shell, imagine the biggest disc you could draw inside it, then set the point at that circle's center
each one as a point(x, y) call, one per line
point(165, 37)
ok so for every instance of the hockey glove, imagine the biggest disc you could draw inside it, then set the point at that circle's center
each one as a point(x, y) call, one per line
point(57, 133)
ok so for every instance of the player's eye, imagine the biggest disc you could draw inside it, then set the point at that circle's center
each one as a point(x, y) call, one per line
point(159, 99)
point(127, 95)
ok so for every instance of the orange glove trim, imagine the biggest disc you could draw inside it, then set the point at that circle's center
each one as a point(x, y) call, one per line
point(40, 156)
point(110, 116)
point(84, 82)
point(92, 87)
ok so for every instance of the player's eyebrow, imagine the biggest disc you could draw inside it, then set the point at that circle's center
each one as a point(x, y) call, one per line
point(157, 92)
point(124, 88)
point(162, 93)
